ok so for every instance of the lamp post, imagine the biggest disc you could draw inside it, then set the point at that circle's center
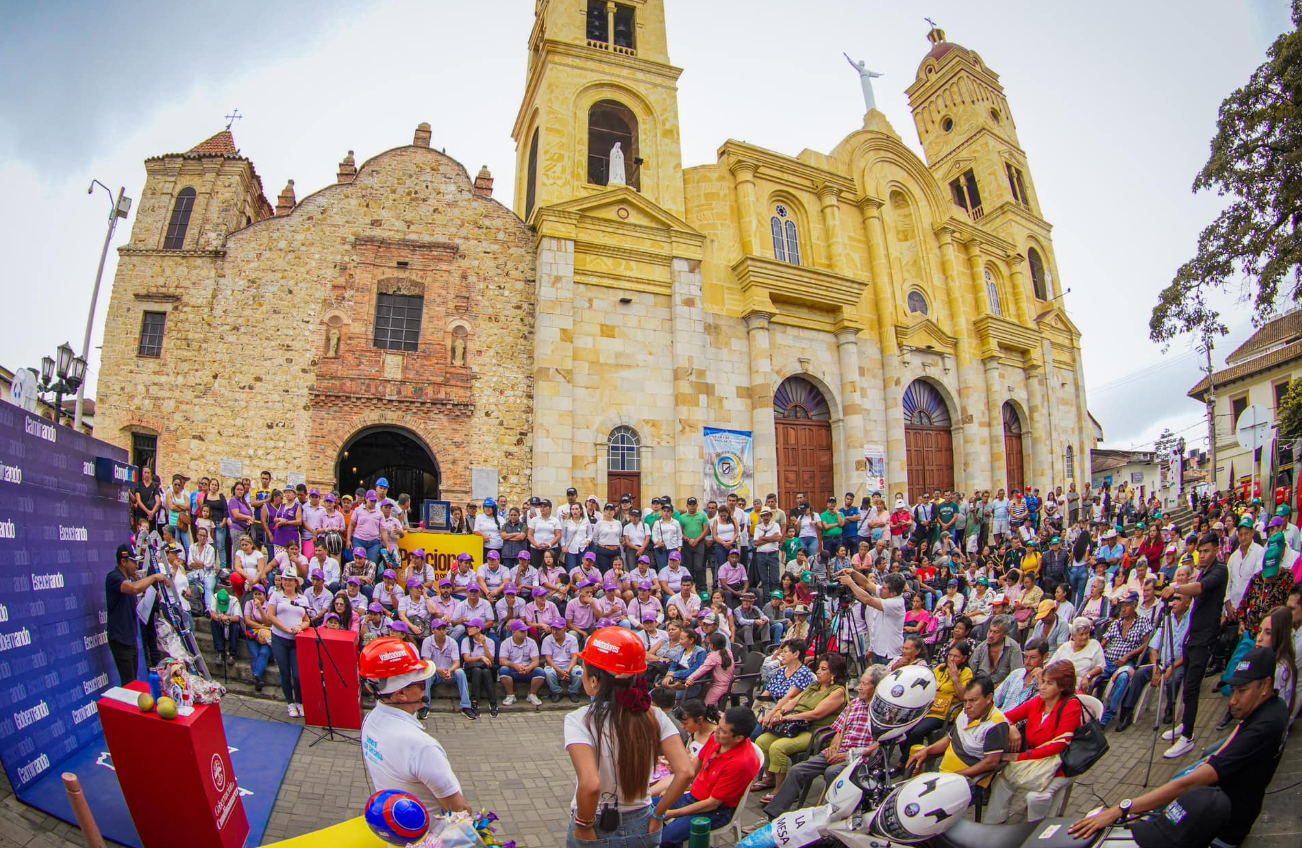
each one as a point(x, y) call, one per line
point(61, 376)
point(119, 209)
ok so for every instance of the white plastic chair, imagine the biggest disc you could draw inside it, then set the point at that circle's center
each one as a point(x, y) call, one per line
point(734, 824)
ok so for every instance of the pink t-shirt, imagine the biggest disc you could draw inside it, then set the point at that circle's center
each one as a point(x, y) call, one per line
point(366, 524)
point(289, 613)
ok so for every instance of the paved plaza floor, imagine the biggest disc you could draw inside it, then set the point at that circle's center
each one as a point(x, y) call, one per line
point(516, 766)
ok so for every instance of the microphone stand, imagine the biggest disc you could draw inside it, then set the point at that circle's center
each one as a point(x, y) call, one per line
point(330, 733)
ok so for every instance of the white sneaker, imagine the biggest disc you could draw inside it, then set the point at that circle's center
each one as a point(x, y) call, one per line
point(293, 711)
point(508, 700)
point(1181, 747)
point(1171, 734)
point(299, 709)
point(533, 699)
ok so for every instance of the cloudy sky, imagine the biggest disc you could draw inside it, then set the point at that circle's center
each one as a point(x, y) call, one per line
point(1115, 104)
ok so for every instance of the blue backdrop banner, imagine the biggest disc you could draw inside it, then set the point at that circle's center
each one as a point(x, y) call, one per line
point(59, 527)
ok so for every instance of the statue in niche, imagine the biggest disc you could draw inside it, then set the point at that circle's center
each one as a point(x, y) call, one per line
point(458, 350)
point(332, 342)
point(617, 176)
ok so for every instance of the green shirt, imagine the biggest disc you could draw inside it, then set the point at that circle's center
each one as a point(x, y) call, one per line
point(831, 517)
point(791, 547)
point(946, 512)
point(692, 524)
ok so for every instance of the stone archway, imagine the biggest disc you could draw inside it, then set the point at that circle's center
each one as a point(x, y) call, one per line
point(1013, 462)
point(928, 439)
point(395, 453)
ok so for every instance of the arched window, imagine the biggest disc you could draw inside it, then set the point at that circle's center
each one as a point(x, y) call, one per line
point(611, 122)
point(992, 291)
point(917, 303)
point(180, 220)
point(1037, 274)
point(623, 452)
point(800, 400)
point(531, 187)
point(924, 407)
point(786, 238)
point(1071, 464)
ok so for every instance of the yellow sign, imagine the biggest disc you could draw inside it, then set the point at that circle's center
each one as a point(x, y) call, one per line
point(442, 550)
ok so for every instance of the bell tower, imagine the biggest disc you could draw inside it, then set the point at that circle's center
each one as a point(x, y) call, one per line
point(599, 76)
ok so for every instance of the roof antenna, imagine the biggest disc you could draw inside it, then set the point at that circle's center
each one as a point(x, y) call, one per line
point(232, 118)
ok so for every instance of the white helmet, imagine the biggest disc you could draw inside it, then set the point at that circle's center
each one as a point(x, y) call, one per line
point(902, 699)
point(922, 808)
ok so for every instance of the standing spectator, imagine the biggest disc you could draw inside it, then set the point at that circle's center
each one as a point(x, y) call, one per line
point(365, 532)
point(768, 536)
point(287, 615)
point(488, 526)
point(544, 531)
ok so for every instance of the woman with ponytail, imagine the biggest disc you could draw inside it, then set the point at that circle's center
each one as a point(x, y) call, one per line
point(613, 743)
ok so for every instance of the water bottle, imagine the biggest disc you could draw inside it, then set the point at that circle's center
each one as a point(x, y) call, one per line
point(155, 686)
point(762, 838)
point(700, 835)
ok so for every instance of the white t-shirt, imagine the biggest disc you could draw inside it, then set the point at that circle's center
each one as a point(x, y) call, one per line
point(545, 530)
point(886, 629)
point(635, 533)
point(1085, 660)
point(492, 530)
point(400, 755)
point(250, 563)
point(762, 530)
point(577, 732)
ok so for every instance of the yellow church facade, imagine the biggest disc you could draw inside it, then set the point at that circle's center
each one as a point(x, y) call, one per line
point(832, 304)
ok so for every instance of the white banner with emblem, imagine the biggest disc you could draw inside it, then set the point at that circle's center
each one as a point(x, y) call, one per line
point(729, 464)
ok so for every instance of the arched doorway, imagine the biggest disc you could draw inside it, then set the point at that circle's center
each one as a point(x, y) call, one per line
point(803, 422)
point(1013, 448)
point(928, 443)
point(395, 453)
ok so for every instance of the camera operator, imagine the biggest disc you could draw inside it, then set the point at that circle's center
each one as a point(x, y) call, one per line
point(885, 604)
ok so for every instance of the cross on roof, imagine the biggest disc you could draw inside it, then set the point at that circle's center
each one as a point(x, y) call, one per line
point(232, 118)
point(934, 25)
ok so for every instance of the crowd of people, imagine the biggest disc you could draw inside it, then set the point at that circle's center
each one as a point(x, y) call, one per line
point(1021, 605)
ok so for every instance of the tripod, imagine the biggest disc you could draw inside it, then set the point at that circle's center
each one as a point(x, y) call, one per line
point(1167, 650)
point(330, 733)
point(842, 626)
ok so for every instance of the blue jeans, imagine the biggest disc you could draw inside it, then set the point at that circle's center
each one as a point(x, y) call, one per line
point(631, 833)
point(1079, 578)
point(226, 636)
point(810, 544)
point(676, 831)
point(459, 678)
point(372, 548)
point(261, 656)
point(1118, 690)
point(286, 653)
point(662, 559)
point(776, 629)
point(554, 680)
point(768, 568)
point(221, 534)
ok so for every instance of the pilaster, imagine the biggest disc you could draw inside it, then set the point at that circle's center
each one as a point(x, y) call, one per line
point(1041, 434)
point(763, 428)
point(897, 478)
point(553, 443)
point(995, 426)
point(847, 345)
point(828, 197)
point(744, 174)
point(688, 315)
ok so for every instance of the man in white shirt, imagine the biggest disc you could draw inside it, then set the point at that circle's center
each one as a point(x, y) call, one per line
point(329, 566)
point(768, 536)
point(398, 753)
point(886, 629)
point(1245, 561)
point(1292, 535)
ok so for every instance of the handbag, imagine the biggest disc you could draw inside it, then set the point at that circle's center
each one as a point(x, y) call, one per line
point(1087, 746)
point(1031, 775)
point(789, 729)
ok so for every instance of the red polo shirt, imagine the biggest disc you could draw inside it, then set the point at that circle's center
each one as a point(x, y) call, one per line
point(726, 775)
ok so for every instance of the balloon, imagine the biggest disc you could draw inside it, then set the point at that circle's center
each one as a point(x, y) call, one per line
point(396, 817)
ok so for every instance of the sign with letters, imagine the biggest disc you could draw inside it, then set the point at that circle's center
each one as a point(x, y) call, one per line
point(63, 511)
point(442, 549)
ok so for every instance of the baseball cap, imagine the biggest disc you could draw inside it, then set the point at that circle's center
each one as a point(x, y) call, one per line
point(510, 589)
point(734, 552)
point(523, 556)
point(1170, 549)
point(359, 553)
point(315, 493)
point(260, 588)
point(352, 581)
point(1056, 540)
point(371, 495)
point(383, 481)
point(419, 553)
point(477, 622)
point(445, 582)
point(173, 548)
point(125, 551)
point(1277, 521)
point(437, 624)
point(648, 616)
point(675, 556)
point(472, 587)
point(494, 555)
point(1246, 521)
point(775, 594)
point(331, 499)
point(330, 616)
point(463, 557)
point(571, 491)
point(1044, 609)
point(400, 626)
point(390, 574)
point(517, 625)
point(317, 574)
point(999, 599)
point(557, 622)
point(413, 582)
point(645, 559)
point(539, 592)
point(590, 556)
point(377, 608)
point(1130, 598)
point(1257, 664)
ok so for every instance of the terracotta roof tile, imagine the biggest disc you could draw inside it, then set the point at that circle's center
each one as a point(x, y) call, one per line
point(222, 144)
point(1282, 328)
point(1256, 365)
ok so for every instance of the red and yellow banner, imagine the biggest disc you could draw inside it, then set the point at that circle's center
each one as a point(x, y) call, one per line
point(442, 550)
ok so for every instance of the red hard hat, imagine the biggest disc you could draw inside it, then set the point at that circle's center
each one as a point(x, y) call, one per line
point(616, 650)
point(389, 658)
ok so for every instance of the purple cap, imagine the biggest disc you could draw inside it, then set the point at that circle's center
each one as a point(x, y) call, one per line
point(524, 555)
point(605, 622)
point(1277, 521)
point(590, 556)
point(315, 493)
point(260, 588)
point(330, 498)
point(444, 582)
point(475, 622)
point(353, 581)
point(375, 608)
point(557, 622)
point(400, 625)
point(610, 583)
point(510, 589)
point(734, 551)
point(413, 582)
point(371, 496)
point(675, 556)
point(317, 574)
point(359, 553)
point(539, 592)
point(437, 624)
point(494, 555)
point(648, 616)
point(645, 559)
point(472, 587)
point(645, 586)
point(419, 552)
point(465, 558)
point(330, 616)
point(390, 574)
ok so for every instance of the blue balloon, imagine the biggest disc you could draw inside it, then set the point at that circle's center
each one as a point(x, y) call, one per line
point(396, 817)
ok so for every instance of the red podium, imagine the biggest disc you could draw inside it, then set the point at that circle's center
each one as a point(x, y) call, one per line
point(343, 688)
point(186, 760)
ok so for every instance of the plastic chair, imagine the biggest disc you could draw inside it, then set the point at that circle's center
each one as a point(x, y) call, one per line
point(1058, 794)
point(1112, 682)
point(734, 824)
point(822, 739)
point(743, 685)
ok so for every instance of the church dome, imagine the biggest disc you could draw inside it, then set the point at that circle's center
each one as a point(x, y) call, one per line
point(939, 49)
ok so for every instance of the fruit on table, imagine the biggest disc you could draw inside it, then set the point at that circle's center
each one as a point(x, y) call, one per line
point(166, 708)
point(145, 702)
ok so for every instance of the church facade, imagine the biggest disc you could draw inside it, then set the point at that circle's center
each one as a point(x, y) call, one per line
point(401, 320)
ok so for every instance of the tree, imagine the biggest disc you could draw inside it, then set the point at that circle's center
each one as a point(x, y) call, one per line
point(1290, 412)
point(1256, 243)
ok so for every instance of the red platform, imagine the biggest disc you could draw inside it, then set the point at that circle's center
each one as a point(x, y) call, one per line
point(176, 776)
point(342, 684)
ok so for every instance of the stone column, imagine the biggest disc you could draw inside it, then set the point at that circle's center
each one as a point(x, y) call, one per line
point(884, 294)
point(689, 373)
point(995, 424)
point(553, 439)
point(976, 469)
point(1041, 433)
point(976, 264)
point(744, 174)
point(763, 429)
point(1059, 425)
point(847, 344)
point(827, 195)
point(1020, 307)
point(1084, 433)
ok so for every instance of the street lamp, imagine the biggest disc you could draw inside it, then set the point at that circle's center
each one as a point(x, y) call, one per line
point(118, 208)
point(70, 372)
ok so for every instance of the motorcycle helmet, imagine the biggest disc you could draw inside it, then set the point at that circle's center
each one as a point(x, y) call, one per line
point(922, 808)
point(902, 700)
